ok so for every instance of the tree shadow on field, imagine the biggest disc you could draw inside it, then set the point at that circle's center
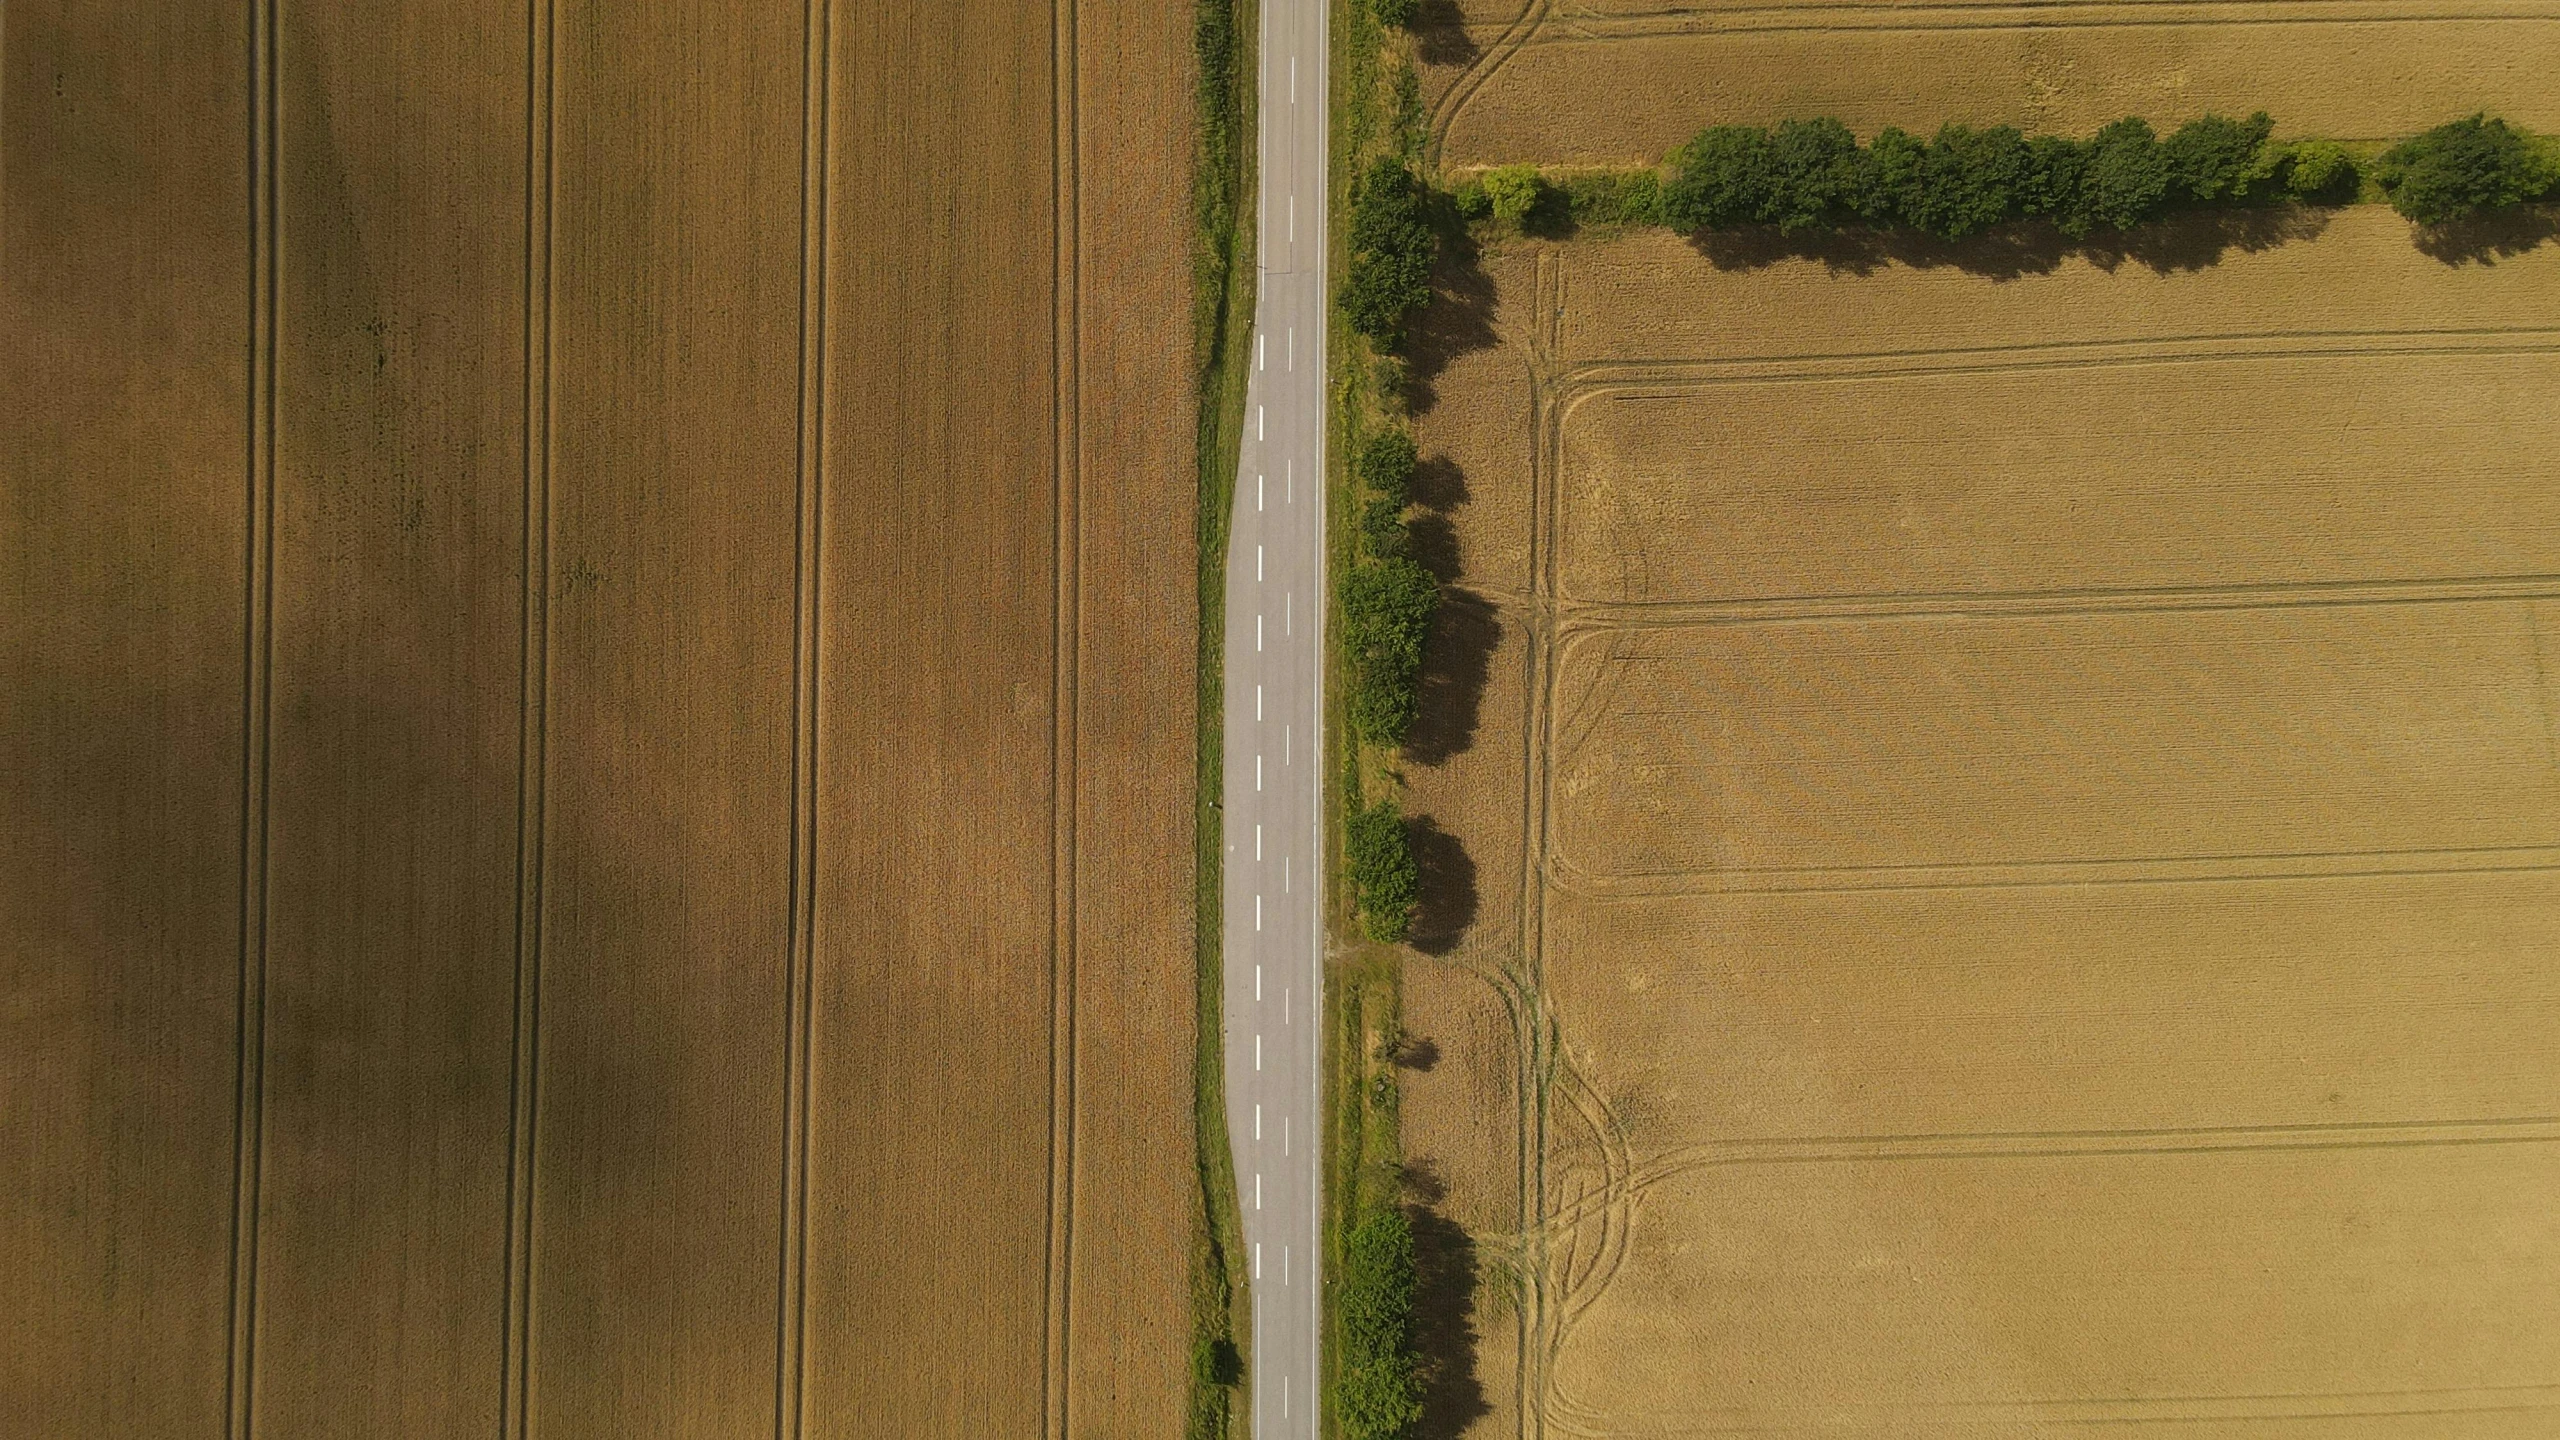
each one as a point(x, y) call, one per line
point(2488, 239)
point(1438, 484)
point(1458, 321)
point(1457, 662)
point(1440, 34)
point(1444, 1305)
point(2182, 242)
point(1448, 902)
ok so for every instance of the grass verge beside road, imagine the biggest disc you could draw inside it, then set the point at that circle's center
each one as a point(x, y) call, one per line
point(1370, 1388)
point(1222, 279)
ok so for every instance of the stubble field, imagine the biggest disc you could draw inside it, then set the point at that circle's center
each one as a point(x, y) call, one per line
point(598, 833)
point(2012, 829)
point(1649, 73)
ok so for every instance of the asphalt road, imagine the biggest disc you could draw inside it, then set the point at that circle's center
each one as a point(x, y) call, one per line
point(1274, 743)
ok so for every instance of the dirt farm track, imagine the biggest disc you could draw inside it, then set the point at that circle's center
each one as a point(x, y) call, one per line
point(596, 675)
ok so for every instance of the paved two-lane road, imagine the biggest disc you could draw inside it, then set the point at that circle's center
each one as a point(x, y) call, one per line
point(1274, 755)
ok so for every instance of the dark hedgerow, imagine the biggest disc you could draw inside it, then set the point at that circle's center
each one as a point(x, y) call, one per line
point(1386, 884)
point(2456, 171)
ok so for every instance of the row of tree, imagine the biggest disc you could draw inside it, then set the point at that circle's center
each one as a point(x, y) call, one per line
point(1814, 174)
point(1811, 174)
point(1386, 603)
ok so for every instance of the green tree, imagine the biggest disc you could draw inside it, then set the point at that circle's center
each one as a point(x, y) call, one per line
point(1813, 164)
point(1969, 181)
point(1388, 276)
point(1397, 13)
point(2458, 170)
point(2055, 183)
point(2212, 157)
point(2127, 178)
point(1722, 177)
point(1381, 1389)
point(1386, 607)
point(1884, 177)
point(1386, 884)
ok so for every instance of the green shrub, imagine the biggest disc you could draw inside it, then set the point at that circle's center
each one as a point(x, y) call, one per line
point(2318, 170)
point(1382, 529)
point(2213, 158)
point(1397, 13)
point(1470, 200)
point(1513, 192)
point(1392, 249)
point(1385, 463)
point(2127, 179)
point(1385, 882)
point(2458, 170)
point(1613, 197)
point(1214, 1361)
point(1387, 607)
point(1721, 178)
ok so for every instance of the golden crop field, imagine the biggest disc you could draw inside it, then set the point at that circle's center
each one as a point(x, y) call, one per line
point(1649, 73)
point(595, 651)
point(2014, 826)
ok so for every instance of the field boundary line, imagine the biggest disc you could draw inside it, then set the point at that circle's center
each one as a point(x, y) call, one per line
point(2040, 874)
point(1579, 618)
point(1698, 26)
point(2065, 1144)
point(533, 711)
point(807, 656)
point(2112, 1410)
point(1066, 560)
point(248, 1140)
point(1682, 378)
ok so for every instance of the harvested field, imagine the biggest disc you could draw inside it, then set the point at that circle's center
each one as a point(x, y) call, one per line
point(596, 618)
point(2013, 820)
point(2347, 69)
